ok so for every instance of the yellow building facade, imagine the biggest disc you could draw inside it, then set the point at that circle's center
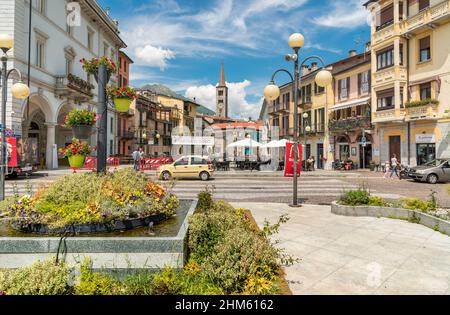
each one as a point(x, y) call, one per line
point(410, 55)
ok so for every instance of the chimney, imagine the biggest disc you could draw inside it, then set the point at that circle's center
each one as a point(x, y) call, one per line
point(368, 44)
point(352, 53)
point(305, 70)
point(313, 66)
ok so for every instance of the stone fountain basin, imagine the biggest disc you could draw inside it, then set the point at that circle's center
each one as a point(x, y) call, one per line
point(106, 252)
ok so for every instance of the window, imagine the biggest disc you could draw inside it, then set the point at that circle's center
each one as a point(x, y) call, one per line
point(220, 93)
point(385, 58)
point(306, 94)
point(424, 4)
point(385, 17)
point(426, 153)
point(320, 119)
point(90, 40)
point(111, 124)
point(198, 161)
point(425, 49)
point(105, 49)
point(40, 54)
point(69, 63)
point(285, 123)
point(425, 91)
point(182, 161)
point(386, 99)
point(111, 147)
point(286, 100)
point(318, 89)
point(364, 82)
point(40, 5)
point(344, 86)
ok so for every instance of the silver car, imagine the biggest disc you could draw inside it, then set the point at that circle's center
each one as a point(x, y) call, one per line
point(432, 172)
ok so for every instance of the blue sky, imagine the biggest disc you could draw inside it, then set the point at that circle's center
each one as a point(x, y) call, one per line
point(181, 43)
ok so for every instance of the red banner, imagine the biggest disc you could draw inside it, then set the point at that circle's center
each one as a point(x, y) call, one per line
point(289, 162)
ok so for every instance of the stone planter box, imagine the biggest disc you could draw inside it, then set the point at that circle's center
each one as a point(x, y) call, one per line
point(110, 253)
point(386, 212)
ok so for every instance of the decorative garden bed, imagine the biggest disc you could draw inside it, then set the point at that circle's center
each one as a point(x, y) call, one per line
point(360, 203)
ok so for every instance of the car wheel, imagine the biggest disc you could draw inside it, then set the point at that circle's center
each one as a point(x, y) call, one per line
point(204, 176)
point(166, 175)
point(432, 179)
point(13, 175)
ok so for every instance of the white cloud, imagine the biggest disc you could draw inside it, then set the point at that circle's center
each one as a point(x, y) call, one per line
point(344, 14)
point(238, 105)
point(154, 56)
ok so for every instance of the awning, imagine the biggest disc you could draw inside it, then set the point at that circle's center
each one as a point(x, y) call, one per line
point(359, 101)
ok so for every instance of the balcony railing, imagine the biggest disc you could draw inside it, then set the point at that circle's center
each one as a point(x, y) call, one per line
point(73, 86)
point(389, 75)
point(422, 112)
point(431, 15)
point(127, 134)
point(383, 35)
point(394, 114)
point(350, 123)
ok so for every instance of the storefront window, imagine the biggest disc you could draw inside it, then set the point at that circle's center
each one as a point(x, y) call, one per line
point(425, 153)
point(344, 152)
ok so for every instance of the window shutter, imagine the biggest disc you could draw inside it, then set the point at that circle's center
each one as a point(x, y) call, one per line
point(423, 4)
point(359, 82)
point(339, 88)
point(425, 43)
point(387, 15)
point(348, 86)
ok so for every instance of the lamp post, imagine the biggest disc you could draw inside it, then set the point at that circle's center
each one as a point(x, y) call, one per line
point(18, 90)
point(272, 92)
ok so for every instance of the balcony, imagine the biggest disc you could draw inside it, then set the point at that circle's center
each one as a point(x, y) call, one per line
point(73, 87)
point(127, 134)
point(349, 124)
point(415, 111)
point(436, 14)
point(383, 35)
point(390, 75)
point(389, 115)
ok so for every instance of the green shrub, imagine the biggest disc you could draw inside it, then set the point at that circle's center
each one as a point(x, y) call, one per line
point(42, 278)
point(355, 197)
point(377, 202)
point(93, 283)
point(239, 256)
point(418, 204)
point(205, 200)
point(166, 282)
point(138, 284)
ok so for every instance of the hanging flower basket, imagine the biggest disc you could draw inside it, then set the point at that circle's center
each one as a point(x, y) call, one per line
point(76, 152)
point(77, 161)
point(82, 132)
point(82, 122)
point(91, 67)
point(123, 97)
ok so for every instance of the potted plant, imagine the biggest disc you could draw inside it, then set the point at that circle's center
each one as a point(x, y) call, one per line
point(82, 122)
point(76, 152)
point(91, 66)
point(372, 166)
point(123, 96)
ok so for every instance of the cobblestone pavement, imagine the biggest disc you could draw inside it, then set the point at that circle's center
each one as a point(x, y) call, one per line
point(358, 255)
point(321, 187)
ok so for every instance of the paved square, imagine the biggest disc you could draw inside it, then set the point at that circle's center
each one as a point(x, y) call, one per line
point(358, 255)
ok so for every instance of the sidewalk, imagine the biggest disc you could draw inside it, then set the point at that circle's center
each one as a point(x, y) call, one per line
point(357, 255)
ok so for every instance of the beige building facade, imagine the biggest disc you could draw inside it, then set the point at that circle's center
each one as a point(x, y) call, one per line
point(411, 78)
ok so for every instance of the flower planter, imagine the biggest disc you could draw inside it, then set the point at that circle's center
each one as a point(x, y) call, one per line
point(108, 77)
point(82, 132)
point(123, 225)
point(122, 105)
point(77, 161)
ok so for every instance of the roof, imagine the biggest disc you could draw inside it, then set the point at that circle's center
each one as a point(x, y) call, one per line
point(205, 111)
point(126, 56)
point(256, 125)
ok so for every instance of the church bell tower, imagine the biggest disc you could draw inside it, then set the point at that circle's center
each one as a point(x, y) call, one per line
point(222, 95)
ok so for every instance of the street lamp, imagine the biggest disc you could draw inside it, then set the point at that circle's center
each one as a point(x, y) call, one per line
point(18, 90)
point(272, 92)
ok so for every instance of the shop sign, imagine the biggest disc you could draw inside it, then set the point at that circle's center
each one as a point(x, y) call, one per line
point(425, 138)
point(289, 163)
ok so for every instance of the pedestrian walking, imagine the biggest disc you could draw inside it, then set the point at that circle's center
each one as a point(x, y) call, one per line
point(394, 165)
point(136, 159)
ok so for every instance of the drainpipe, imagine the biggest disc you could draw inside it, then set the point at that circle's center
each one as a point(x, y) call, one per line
point(407, 99)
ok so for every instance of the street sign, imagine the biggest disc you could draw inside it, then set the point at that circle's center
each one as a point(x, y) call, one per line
point(364, 141)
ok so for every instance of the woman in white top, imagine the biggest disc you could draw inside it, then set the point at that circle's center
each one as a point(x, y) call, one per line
point(394, 164)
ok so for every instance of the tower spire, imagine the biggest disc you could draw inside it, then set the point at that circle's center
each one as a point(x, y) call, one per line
point(222, 75)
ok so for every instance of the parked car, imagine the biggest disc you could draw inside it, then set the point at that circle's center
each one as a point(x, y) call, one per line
point(187, 167)
point(432, 172)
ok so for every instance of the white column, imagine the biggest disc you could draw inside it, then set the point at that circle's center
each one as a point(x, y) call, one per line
point(51, 132)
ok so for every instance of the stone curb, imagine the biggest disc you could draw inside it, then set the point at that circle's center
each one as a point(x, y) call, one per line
point(427, 220)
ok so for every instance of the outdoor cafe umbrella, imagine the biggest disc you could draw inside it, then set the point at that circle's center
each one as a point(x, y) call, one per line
point(246, 143)
point(276, 144)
